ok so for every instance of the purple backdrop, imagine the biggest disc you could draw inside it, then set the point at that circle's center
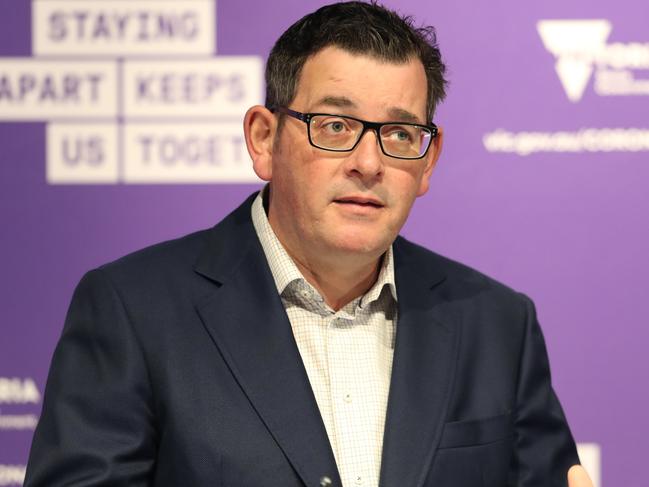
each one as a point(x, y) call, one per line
point(567, 226)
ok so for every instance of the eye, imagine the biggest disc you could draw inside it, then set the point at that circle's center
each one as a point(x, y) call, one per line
point(400, 134)
point(333, 126)
point(336, 126)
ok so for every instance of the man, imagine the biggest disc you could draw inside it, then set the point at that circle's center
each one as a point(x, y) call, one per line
point(300, 342)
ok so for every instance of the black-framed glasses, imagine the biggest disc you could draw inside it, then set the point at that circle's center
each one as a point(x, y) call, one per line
point(340, 133)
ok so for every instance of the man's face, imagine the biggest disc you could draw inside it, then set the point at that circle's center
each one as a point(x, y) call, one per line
point(332, 204)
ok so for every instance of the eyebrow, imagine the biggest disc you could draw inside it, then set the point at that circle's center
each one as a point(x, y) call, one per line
point(336, 101)
point(394, 113)
point(403, 115)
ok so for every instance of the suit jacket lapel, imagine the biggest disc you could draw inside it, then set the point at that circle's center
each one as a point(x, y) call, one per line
point(422, 372)
point(246, 319)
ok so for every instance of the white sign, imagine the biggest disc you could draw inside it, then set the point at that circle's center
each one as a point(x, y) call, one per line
point(36, 89)
point(82, 153)
point(217, 87)
point(155, 109)
point(19, 390)
point(12, 475)
point(591, 459)
point(123, 27)
point(187, 153)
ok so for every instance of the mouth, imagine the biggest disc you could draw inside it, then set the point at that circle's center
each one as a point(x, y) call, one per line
point(360, 201)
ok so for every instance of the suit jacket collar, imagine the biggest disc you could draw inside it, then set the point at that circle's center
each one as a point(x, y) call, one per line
point(423, 368)
point(247, 322)
point(246, 319)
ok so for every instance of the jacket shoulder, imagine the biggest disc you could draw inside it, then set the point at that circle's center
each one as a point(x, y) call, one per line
point(169, 255)
point(458, 279)
point(180, 256)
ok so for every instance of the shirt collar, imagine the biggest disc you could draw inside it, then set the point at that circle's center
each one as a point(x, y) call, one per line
point(285, 271)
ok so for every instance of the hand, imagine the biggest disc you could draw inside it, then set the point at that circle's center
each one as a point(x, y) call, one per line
point(577, 477)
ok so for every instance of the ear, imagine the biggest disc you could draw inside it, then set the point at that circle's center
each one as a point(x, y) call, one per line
point(259, 127)
point(432, 156)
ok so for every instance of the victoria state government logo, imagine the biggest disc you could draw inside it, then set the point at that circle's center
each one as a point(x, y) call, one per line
point(582, 53)
point(581, 48)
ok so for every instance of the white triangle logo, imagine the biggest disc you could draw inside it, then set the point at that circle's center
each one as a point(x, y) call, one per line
point(575, 44)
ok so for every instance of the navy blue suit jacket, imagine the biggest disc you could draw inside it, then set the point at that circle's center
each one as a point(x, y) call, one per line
point(177, 367)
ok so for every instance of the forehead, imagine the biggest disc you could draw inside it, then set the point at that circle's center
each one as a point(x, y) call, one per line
point(365, 86)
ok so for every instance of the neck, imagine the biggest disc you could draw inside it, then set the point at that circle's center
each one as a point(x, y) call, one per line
point(339, 283)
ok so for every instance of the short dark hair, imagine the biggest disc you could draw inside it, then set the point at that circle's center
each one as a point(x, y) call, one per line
point(359, 28)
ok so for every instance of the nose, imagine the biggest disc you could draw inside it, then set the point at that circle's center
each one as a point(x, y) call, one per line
point(366, 160)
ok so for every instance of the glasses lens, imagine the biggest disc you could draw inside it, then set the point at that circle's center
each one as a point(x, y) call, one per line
point(404, 140)
point(334, 132)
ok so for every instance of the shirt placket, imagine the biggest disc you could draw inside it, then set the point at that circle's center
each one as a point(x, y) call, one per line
point(348, 351)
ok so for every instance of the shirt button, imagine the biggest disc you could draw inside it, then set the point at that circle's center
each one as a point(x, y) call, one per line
point(347, 398)
point(325, 482)
point(358, 480)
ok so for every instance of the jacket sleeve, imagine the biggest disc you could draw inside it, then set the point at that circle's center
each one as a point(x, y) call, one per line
point(544, 447)
point(97, 424)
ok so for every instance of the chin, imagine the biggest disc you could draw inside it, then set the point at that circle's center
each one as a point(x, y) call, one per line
point(362, 244)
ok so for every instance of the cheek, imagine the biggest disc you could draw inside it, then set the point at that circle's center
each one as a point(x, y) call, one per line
point(297, 165)
point(316, 180)
point(300, 192)
point(405, 185)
